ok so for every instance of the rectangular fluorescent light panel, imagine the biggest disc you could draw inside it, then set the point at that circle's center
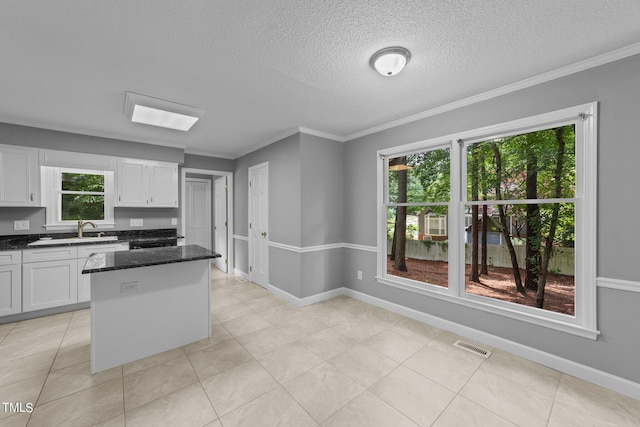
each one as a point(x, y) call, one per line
point(159, 112)
point(165, 119)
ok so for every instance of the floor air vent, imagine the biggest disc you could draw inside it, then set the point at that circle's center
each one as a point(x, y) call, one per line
point(472, 348)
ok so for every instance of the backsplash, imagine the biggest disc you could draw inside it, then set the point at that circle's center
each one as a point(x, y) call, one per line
point(152, 218)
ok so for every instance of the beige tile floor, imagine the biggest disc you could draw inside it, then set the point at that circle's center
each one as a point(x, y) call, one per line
point(337, 363)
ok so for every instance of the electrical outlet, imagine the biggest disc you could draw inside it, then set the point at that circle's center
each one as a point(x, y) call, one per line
point(20, 225)
point(129, 287)
point(359, 275)
point(174, 221)
point(136, 222)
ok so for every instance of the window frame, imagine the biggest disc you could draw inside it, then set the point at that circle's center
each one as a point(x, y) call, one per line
point(52, 197)
point(584, 322)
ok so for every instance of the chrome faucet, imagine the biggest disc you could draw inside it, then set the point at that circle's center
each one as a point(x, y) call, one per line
point(81, 226)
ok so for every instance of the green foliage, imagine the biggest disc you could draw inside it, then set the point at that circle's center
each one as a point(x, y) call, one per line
point(514, 151)
point(76, 203)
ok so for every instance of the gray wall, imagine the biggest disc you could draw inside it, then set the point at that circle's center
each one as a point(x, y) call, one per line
point(322, 213)
point(322, 181)
point(306, 208)
point(616, 86)
point(65, 141)
point(284, 190)
point(284, 206)
point(153, 218)
point(209, 163)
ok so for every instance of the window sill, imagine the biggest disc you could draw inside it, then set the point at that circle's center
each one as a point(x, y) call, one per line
point(512, 313)
point(64, 227)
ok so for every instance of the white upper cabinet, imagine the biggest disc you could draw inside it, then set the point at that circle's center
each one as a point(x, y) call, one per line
point(133, 183)
point(163, 185)
point(143, 183)
point(19, 176)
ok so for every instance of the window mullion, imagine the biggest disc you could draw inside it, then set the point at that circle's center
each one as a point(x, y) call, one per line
point(456, 217)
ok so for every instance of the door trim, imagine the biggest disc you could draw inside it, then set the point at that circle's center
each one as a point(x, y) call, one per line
point(209, 209)
point(229, 175)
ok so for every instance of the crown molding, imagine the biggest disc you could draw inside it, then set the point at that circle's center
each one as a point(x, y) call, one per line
point(321, 134)
point(513, 87)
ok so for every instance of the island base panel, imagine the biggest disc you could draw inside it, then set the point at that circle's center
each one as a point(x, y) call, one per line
point(139, 312)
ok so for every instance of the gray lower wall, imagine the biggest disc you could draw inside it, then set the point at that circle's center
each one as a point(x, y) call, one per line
point(285, 269)
point(616, 87)
point(241, 256)
point(321, 271)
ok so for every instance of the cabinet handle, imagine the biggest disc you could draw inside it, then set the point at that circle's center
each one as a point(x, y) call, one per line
point(151, 199)
point(32, 197)
point(119, 198)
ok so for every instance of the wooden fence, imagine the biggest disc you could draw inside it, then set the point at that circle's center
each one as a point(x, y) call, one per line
point(561, 262)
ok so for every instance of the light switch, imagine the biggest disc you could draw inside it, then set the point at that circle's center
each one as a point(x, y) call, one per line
point(174, 221)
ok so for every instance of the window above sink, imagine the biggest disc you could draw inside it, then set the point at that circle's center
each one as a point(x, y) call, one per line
point(72, 194)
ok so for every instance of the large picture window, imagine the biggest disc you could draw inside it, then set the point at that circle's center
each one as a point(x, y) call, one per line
point(505, 218)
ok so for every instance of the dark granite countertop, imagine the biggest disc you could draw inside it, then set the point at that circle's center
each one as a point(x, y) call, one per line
point(21, 241)
point(136, 258)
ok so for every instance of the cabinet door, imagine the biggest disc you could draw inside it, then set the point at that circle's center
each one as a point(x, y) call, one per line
point(49, 284)
point(133, 183)
point(163, 185)
point(10, 286)
point(19, 176)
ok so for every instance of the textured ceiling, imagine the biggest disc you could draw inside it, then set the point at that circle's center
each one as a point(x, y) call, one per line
point(264, 68)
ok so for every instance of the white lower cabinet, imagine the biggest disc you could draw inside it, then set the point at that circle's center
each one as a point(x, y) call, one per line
point(10, 282)
point(49, 284)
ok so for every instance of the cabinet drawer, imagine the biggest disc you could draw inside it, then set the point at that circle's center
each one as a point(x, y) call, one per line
point(49, 254)
point(10, 257)
point(86, 251)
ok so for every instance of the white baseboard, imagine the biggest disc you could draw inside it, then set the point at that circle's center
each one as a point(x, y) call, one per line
point(303, 302)
point(240, 273)
point(578, 370)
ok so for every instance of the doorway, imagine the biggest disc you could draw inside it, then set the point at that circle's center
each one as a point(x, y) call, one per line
point(259, 224)
point(220, 219)
point(197, 218)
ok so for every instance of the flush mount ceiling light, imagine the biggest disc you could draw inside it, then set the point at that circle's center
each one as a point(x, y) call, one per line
point(390, 60)
point(158, 112)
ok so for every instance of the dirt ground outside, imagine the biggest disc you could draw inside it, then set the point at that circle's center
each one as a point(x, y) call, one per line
point(559, 292)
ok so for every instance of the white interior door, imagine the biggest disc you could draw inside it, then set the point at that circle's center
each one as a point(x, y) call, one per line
point(220, 228)
point(198, 212)
point(259, 224)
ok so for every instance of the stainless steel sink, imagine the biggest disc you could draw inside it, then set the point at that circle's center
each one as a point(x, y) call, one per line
point(73, 240)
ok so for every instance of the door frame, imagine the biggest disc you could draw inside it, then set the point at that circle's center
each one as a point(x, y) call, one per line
point(250, 205)
point(209, 204)
point(229, 175)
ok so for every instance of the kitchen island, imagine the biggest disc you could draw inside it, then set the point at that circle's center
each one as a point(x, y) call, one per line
point(147, 301)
